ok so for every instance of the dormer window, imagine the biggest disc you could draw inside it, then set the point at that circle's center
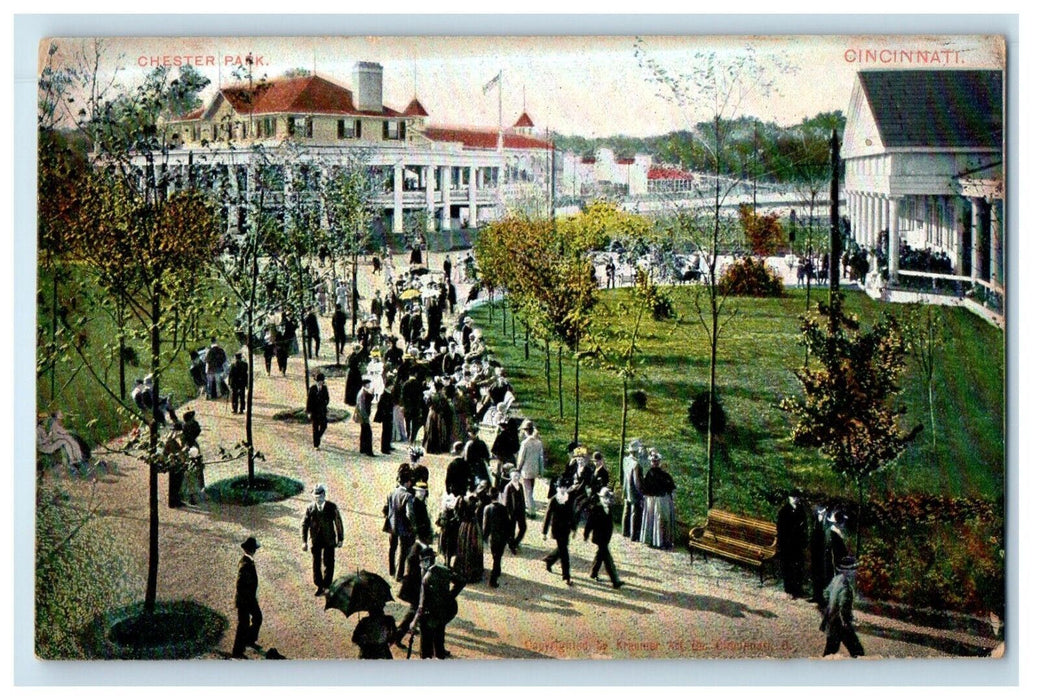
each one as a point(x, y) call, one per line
point(393, 130)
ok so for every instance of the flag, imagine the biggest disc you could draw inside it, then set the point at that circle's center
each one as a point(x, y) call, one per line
point(493, 82)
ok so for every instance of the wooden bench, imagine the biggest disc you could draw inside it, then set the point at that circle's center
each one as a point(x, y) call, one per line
point(735, 537)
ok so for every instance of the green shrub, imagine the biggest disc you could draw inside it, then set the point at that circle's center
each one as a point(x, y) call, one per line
point(267, 488)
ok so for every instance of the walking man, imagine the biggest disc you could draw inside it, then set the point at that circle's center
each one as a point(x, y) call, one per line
point(238, 378)
point(837, 618)
point(249, 615)
point(600, 525)
point(559, 516)
point(437, 604)
point(339, 331)
point(790, 544)
point(632, 478)
point(364, 416)
point(215, 360)
point(311, 333)
point(400, 514)
point(496, 527)
point(516, 508)
point(385, 417)
point(530, 460)
point(318, 408)
point(323, 524)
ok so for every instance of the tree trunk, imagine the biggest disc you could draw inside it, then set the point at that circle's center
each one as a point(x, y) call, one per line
point(859, 515)
point(931, 417)
point(251, 320)
point(152, 584)
point(559, 376)
point(548, 372)
point(54, 330)
point(577, 389)
point(512, 325)
point(624, 423)
point(505, 303)
point(303, 329)
point(527, 342)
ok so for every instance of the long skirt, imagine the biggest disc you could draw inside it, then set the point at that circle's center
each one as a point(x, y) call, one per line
point(658, 529)
point(470, 560)
point(437, 435)
point(353, 386)
point(400, 426)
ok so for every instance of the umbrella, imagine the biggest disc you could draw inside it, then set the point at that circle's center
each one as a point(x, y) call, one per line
point(409, 294)
point(358, 592)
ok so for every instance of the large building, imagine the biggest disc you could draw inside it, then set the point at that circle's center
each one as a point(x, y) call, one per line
point(458, 176)
point(924, 169)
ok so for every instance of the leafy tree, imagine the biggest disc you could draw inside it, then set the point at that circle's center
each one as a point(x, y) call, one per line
point(764, 233)
point(719, 83)
point(848, 409)
point(927, 333)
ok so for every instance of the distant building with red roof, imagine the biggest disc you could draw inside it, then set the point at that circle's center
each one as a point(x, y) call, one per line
point(460, 175)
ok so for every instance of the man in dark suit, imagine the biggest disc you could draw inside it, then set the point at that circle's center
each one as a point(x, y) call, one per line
point(238, 379)
point(311, 332)
point(516, 508)
point(476, 454)
point(458, 478)
point(249, 615)
point(496, 529)
point(318, 408)
point(559, 516)
point(837, 617)
point(601, 526)
point(339, 330)
point(791, 543)
point(385, 417)
point(437, 604)
point(323, 524)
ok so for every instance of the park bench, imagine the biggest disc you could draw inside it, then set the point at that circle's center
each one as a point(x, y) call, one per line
point(735, 537)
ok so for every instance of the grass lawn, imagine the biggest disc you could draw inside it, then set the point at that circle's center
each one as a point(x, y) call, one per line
point(758, 353)
point(89, 410)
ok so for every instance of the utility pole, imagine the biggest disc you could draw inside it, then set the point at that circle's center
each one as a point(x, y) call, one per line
point(836, 242)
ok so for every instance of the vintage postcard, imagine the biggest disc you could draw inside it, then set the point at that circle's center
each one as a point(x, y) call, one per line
point(616, 347)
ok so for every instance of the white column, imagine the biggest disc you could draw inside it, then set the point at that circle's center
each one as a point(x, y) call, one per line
point(472, 197)
point(431, 212)
point(446, 197)
point(876, 225)
point(893, 238)
point(996, 243)
point(398, 224)
point(976, 238)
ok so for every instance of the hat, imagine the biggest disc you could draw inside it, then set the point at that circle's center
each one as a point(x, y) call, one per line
point(250, 545)
point(456, 446)
point(320, 488)
point(847, 564)
point(421, 485)
point(366, 381)
point(188, 415)
point(635, 446)
point(238, 355)
point(319, 377)
point(427, 552)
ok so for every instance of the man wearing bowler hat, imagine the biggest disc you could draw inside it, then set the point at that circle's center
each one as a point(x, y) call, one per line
point(837, 618)
point(249, 615)
point(318, 408)
point(322, 522)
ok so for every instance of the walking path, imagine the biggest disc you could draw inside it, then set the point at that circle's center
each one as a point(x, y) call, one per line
point(668, 607)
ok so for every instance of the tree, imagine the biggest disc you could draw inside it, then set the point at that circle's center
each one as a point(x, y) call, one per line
point(146, 242)
point(718, 83)
point(763, 231)
point(927, 332)
point(848, 409)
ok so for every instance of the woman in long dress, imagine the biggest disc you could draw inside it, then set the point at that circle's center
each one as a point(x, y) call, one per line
point(449, 522)
point(355, 362)
point(658, 529)
point(437, 435)
point(470, 560)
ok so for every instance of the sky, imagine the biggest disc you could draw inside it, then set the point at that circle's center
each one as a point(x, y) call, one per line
point(585, 86)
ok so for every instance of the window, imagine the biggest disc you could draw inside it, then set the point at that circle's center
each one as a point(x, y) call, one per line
point(266, 127)
point(301, 126)
point(393, 130)
point(348, 129)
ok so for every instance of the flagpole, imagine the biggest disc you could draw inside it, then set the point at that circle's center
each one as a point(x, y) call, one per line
point(500, 110)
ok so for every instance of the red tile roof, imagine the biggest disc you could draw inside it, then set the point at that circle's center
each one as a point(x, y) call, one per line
point(483, 138)
point(588, 160)
point(661, 173)
point(523, 121)
point(307, 95)
point(415, 109)
point(625, 161)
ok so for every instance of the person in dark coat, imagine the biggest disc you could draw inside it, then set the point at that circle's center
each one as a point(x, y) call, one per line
point(817, 555)
point(559, 517)
point(507, 443)
point(420, 513)
point(469, 555)
point(437, 604)
point(311, 333)
point(173, 450)
point(390, 309)
point(400, 520)
point(318, 408)
point(437, 434)
point(191, 432)
point(458, 478)
point(238, 379)
point(837, 617)
point(411, 586)
point(790, 544)
point(394, 356)
point(197, 370)
point(453, 297)
point(377, 307)
point(385, 417)
point(600, 475)
point(216, 358)
point(247, 631)
point(496, 528)
point(363, 411)
point(516, 508)
point(355, 363)
point(339, 330)
point(600, 525)
point(476, 454)
point(324, 526)
point(374, 633)
point(836, 547)
point(413, 405)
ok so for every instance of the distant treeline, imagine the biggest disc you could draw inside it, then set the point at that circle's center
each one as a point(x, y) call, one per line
point(749, 147)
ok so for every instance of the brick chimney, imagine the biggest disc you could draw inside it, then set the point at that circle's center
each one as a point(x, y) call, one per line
point(368, 86)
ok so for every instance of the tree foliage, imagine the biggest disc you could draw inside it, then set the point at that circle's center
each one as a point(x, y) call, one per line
point(763, 232)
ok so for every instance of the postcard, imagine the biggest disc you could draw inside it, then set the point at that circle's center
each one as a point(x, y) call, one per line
point(532, 347)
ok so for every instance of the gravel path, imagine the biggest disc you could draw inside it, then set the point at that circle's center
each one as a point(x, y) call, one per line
point(667, 609)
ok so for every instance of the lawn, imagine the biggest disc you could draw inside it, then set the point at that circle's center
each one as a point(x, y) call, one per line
point(89, 409)
point(758, 354)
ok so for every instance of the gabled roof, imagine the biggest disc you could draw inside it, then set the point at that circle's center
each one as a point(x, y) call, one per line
point(483, 138)
point(415, 109)
point(523, 121)
point(937, 108)
point(307, 95)
point(663, 173)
